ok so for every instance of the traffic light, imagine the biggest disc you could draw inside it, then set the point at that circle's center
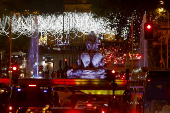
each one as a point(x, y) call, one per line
point(15, 74)
point(126, 94)
point(127, 75)
point(148, 30)
point(110, 75)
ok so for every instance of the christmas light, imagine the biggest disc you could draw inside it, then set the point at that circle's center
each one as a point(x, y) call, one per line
point(52, 25)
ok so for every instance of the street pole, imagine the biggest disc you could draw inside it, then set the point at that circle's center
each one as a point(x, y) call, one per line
point(132, 41)
point(10, 42)
point(167, 41)
point(161, 50)
point(63, 39)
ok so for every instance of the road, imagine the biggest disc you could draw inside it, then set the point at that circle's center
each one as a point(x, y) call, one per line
point(128, 65)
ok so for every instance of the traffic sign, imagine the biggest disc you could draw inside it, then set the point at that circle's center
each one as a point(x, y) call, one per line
point(41, 67)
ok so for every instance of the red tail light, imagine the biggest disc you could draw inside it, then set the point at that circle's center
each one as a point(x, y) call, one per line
point(113, 71)
point(89, 105)
point(14, 68)
point(10, 108)
point(103, 111)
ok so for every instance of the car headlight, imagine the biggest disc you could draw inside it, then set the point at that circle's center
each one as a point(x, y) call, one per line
point(105, 104)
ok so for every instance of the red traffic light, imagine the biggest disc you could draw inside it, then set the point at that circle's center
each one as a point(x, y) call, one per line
point(148, 26)
point(14, 68)
point(148, 30)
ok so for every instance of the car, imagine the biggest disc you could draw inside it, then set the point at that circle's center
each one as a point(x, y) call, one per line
point(64, 91)
point(135, 57)
point(83, 101)
point(56, 48)
point(97, 98)
point(119, 62)
point(4, 87)
point(47, 58)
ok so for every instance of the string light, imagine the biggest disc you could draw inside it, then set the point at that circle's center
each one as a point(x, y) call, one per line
point(52, 25)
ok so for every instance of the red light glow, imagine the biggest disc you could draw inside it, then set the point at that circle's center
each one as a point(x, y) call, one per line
point(149, 80)
point(89, 105)
point(103, 111)
point(113, 71)
point(14, 68)
point(10, 108)
point(149, 26)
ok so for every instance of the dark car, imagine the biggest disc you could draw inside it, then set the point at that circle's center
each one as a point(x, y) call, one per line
point(4, 87)
point(30, 95)
point(48, 58)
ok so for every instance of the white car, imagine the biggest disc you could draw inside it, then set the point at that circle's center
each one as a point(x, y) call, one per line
point(64, 91)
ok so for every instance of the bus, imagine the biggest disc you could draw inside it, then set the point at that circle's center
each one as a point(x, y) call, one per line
point(157, 91)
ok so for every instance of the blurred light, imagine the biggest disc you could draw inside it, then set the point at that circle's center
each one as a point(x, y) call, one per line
point(149, 26)
point(10, 108)
point(149, 80)
point(113, 71)
point(31, 85)
point(45, 91)
point(19, 89)
point(103, 111)
point(2, 90)
point(14, 68)
point(89, 105)
point(20, 67)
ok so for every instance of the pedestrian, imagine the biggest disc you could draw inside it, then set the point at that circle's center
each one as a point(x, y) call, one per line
point(110, 102)
point(73, 100)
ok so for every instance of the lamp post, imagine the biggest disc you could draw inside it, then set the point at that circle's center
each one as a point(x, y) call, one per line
point(167, 38)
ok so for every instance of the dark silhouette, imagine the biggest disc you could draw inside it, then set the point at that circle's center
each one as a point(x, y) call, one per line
point(56, 99)
point(3, 101)
point(73, 99)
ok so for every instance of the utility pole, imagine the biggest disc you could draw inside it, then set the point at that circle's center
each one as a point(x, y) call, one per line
point(132, 41)
point(167, 37)
point(161, 50)
point(10, 43)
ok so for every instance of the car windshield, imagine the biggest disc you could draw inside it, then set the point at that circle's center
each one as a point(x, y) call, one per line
point(47, 55)
point(73, 89)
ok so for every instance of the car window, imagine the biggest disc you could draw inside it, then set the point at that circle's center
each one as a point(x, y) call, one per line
point(73, 89)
